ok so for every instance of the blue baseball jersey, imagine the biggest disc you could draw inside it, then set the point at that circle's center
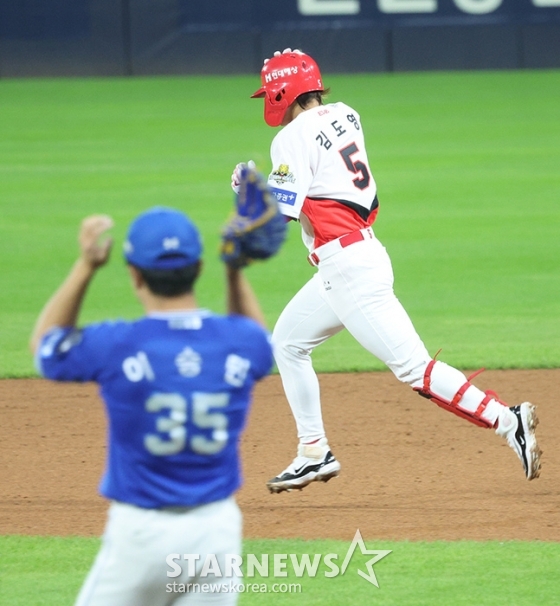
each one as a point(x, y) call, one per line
point(177, 388)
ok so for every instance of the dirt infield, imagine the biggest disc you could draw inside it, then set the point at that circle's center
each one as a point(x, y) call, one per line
point(409, 469)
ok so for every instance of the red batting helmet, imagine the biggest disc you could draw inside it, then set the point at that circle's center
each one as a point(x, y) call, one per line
point(284, 78)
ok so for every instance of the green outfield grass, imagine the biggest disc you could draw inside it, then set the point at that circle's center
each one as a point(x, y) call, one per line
point(467, 166)
point(48, 571)
point(468, 171)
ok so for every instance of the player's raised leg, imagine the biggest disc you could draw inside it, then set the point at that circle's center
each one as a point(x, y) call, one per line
point(307, 321)
point(383, 327)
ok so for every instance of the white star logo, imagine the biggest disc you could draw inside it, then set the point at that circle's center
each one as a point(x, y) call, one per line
point(378, 554)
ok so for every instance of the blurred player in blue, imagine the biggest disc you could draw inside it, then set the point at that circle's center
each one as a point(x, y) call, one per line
point(177, 386)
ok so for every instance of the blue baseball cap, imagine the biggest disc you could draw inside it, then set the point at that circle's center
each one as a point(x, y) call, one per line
point(162, 238)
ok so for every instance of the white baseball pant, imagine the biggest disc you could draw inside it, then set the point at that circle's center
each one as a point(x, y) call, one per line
point(352, 289)
point(131, 568)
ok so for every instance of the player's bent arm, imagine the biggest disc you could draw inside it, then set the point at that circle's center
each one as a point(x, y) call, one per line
point(241, 298)
point(63, 308)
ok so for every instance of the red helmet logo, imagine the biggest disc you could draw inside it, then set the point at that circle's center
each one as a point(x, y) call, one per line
point(284, 78)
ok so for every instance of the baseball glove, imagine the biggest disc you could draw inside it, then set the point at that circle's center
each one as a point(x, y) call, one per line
point(257, 229)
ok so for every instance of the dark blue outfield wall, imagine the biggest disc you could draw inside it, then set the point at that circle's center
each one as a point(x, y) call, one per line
point(124, 37)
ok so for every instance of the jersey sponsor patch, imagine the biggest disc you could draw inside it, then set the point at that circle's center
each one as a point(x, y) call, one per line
point(189, 322)
point(282, 175)
point(284, 196)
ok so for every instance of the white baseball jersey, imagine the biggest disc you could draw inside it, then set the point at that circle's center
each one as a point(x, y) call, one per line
point(321, 170)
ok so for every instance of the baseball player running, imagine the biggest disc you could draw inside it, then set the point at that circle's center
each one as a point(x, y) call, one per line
point(176, 385)
point(322, 178)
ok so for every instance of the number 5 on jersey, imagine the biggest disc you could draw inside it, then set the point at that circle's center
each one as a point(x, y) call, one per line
point(357, 166)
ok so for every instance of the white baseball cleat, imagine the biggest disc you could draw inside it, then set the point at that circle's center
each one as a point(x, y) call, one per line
point(314, 463)
point(517, 425)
